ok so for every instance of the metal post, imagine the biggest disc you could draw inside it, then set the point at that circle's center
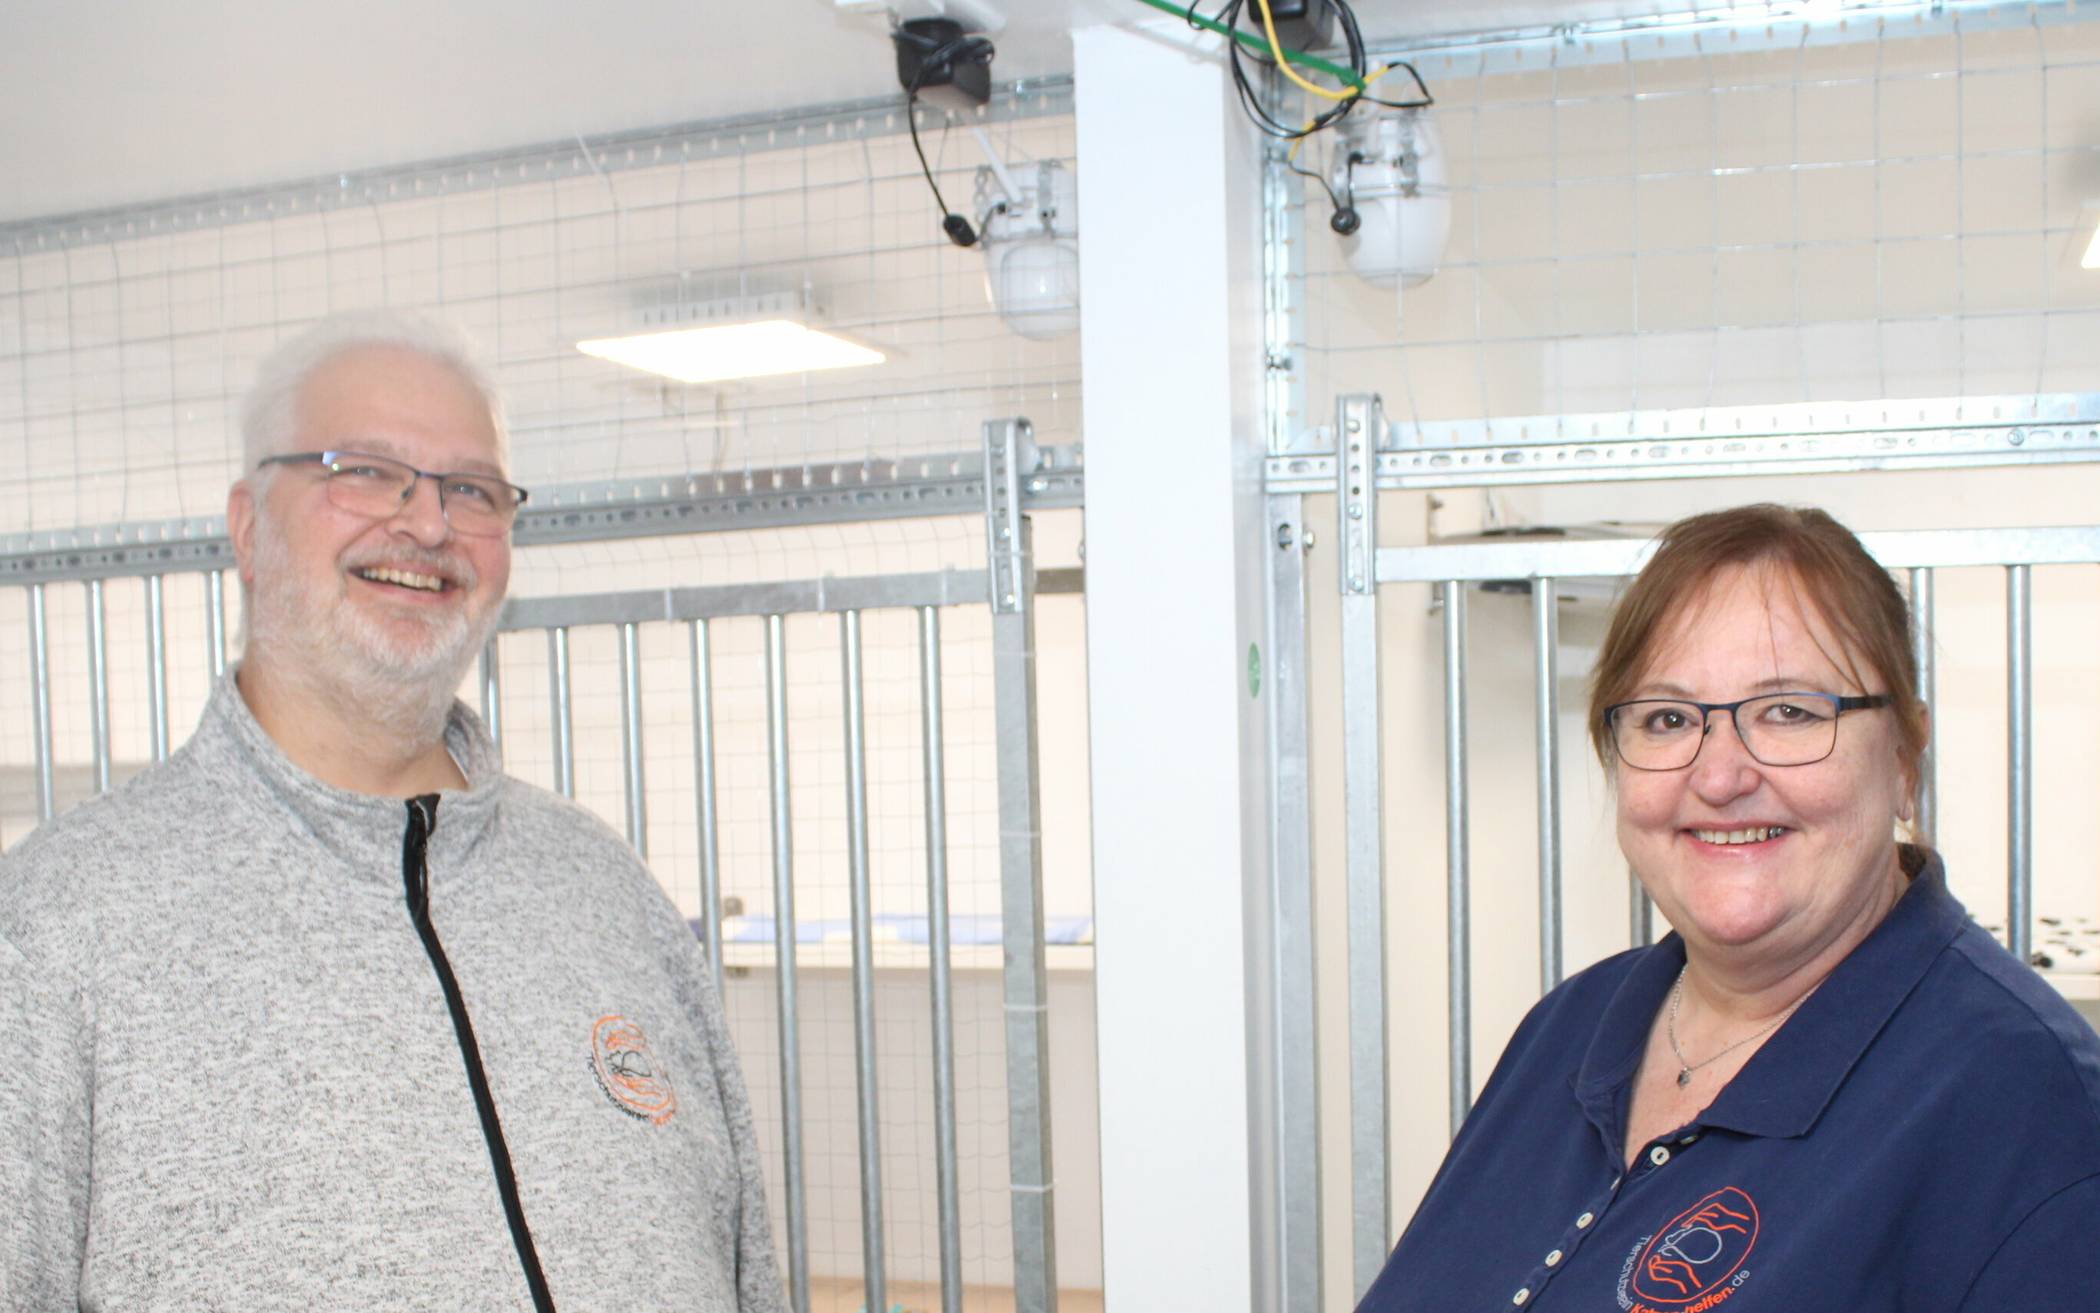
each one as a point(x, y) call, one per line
point(157, 662)
point(1921, 623)
point(704, 798)
point(40, 705)
point(561, 719)
point(1012, 588)
point(1459, 926)
point(98, 681)
point(784, 954)
point(631, 737)
point(1641, 912)
point(215, 624)
point(1545, 639)
point(937, 949)
point(862, 912)
point(1357, 422)
point(492, 693)
point(1291, 1054)
point(2019, 709)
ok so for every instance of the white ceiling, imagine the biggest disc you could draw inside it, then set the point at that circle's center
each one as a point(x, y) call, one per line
point(124, 101)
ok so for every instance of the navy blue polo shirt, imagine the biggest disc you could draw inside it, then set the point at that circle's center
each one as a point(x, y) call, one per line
point(1923, 1134)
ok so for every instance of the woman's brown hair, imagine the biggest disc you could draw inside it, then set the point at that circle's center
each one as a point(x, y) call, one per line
point(1816, 557)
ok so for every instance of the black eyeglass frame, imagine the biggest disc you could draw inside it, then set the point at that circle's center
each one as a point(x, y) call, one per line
point(1840, 704)
point(331, 458)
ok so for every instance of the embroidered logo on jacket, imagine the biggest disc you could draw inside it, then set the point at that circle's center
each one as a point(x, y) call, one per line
point(1694, 1263)
point(628, 1072)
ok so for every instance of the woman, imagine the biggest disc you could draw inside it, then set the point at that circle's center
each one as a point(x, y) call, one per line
point(1829, 1089)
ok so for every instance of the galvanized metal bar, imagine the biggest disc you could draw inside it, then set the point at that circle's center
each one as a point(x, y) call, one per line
point(1597, 558)
point(1545, 640)
point(861, 909)
point(492, 693)
point(98, 681)
point(215, 623)
point(1921, 639)
point(934, 756)
point(561, 715)
point(1458, 889)
point(631, 738)
point(1711, 442)
point(1363, 813)
point(1005, 558)
point(1292, 1050)
point(855, 491)
point(797, 1202)
point(704, 797)
point(877, 118)
point(2019, 717)
point(1027, 993)
point(157, 663)
point(782, 597)
point(40, 705)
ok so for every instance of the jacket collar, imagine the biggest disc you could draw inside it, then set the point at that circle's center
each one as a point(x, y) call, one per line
point(1787, 1083)
point(362, 831)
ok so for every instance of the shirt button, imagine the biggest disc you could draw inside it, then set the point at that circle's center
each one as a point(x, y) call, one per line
point(1521, 1296)
point(1553, 1259)
point(1582, 1223)
point(1658, 1155)
point(1688, 1139)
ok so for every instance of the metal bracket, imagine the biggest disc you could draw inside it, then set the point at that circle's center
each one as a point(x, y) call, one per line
point(1718, 442)
point(835, 493)
point(1006, 445)
point(1359, 419)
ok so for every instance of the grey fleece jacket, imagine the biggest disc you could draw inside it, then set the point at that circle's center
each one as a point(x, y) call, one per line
point(229, 1080)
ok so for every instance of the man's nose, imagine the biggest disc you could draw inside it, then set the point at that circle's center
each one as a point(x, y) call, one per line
point(421, 515)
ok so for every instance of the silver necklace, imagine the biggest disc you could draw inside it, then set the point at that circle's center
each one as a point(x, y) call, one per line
point(1685, 1067)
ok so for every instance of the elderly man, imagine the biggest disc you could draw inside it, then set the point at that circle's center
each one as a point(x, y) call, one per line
point(327, 1011)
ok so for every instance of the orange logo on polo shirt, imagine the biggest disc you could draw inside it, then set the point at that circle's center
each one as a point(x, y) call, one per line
point(1691, 1265)
point(628, 1072)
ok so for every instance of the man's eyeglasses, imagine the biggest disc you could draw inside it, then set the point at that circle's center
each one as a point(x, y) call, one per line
point(479, 505)
point(1778, 729)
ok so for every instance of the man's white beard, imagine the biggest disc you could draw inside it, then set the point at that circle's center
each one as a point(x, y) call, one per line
point(403, 685)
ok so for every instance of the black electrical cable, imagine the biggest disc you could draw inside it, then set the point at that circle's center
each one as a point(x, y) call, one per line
point(975, 48)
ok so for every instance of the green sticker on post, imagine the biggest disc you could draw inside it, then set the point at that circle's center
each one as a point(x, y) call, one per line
point(1253, 670)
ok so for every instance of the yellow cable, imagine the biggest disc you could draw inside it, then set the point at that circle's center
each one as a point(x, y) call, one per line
point(1268, 27)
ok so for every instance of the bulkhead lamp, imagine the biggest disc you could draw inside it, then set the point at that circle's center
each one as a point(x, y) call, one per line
point(1030, 238)
point(1389, 167)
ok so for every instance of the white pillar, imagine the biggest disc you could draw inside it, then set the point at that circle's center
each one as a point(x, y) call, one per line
point(1170, 277)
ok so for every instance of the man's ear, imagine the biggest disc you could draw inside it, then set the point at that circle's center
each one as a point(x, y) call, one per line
point(241, 511)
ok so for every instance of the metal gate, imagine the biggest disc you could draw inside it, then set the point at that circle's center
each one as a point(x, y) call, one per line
point(1002, 483)
point(1368, 456)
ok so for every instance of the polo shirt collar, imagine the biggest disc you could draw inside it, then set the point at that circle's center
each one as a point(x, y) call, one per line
point(1787, 1083)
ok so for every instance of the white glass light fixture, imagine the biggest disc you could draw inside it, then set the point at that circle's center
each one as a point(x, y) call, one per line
point(1030, 237)
point(1390, 167)
point(732, 337)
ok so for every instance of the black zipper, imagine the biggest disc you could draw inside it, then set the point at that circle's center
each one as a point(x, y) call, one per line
point(415, 879)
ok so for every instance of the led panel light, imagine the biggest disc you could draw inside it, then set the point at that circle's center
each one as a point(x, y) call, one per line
point(716, 353)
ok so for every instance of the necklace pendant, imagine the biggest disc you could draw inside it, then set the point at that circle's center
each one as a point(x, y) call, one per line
point(1684, 1077)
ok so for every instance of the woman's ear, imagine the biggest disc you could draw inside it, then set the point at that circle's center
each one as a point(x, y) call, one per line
point(1906, 806)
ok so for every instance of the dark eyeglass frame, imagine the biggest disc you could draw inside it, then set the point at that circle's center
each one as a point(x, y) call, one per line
point(1839, 704)
point(331, 461)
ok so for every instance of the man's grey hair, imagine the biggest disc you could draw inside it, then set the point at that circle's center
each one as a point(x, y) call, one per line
point(269, 417)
